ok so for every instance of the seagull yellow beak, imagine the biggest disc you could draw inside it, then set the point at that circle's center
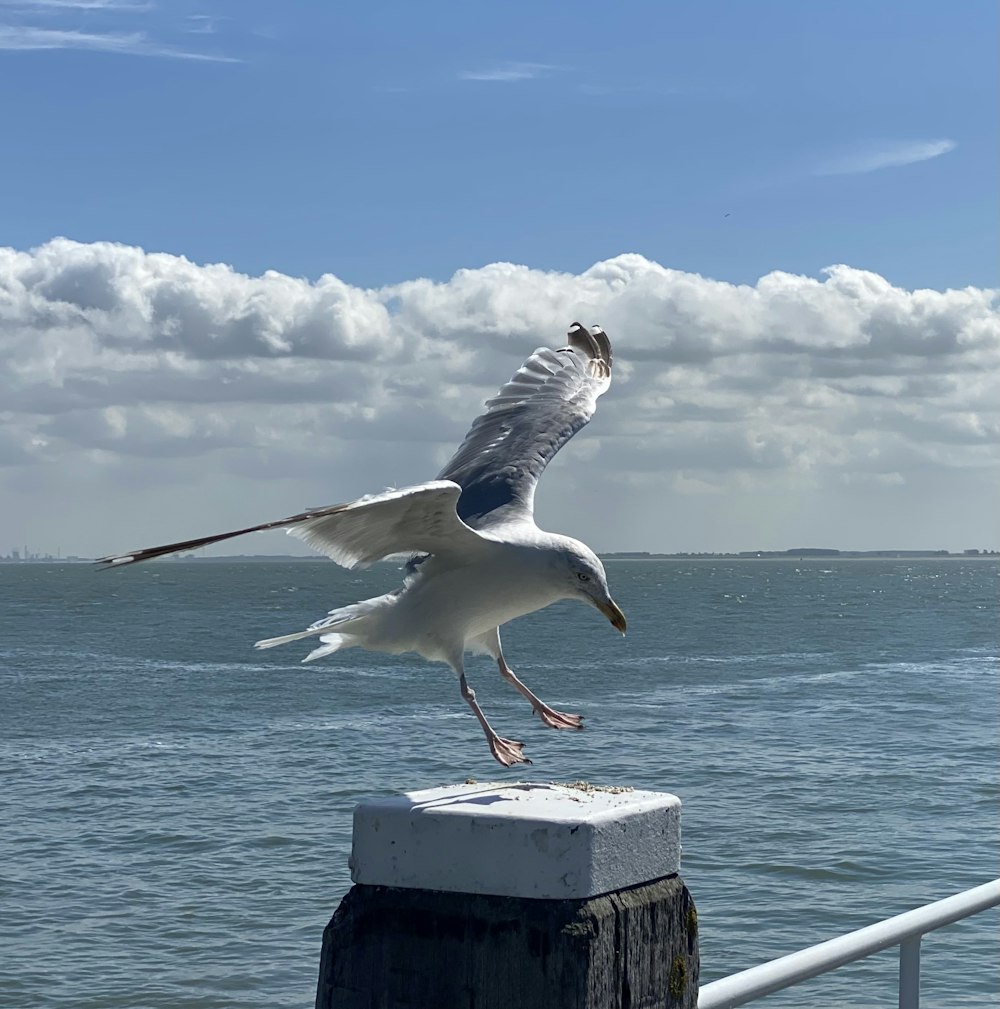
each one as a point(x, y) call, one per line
point(614, 614)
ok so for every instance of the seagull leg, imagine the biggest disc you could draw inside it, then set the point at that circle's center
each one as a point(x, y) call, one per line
point(505, 751)
point(552, 718)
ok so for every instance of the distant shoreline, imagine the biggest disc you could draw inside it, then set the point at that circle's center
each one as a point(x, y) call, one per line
point(847, 555)
point(807, 554)
point(762, 555)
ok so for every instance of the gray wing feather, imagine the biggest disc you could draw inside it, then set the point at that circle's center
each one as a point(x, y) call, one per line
point(550, 397)
point(420, 518)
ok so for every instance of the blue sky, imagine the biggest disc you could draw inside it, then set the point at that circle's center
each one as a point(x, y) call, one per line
point(387, 141)
point(682, 173)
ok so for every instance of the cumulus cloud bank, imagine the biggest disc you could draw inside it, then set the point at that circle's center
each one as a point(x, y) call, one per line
point(125, 369)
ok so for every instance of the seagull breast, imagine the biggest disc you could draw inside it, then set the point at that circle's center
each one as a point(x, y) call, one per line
point(445, 604)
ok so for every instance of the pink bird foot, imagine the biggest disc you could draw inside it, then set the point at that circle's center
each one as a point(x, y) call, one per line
point(558, 719)
point(507, 751)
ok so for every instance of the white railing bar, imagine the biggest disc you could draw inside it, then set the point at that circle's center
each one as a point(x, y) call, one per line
point(766, 978)
point(909, 973)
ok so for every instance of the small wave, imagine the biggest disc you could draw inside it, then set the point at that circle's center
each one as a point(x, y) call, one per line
point(741, 659)
point(840, 871)
point(271, 841)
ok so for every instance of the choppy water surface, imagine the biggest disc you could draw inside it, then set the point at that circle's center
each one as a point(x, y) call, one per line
point(176, 807)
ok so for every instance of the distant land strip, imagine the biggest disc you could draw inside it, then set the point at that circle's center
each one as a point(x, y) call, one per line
point(795, 553)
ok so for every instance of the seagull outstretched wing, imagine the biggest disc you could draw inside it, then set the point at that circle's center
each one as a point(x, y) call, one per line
point(415, 519)
point(550, 397)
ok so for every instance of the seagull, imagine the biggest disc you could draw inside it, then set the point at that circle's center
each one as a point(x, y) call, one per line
point(476, 558)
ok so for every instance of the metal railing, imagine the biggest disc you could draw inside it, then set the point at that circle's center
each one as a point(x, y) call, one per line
point(903, 930)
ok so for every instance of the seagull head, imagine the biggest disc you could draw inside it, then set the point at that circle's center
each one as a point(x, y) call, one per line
point(588, 581)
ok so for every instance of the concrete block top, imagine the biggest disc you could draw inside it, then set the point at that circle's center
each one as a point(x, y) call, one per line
point(526, 839)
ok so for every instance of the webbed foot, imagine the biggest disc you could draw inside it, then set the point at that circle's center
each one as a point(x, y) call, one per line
point(507, 751)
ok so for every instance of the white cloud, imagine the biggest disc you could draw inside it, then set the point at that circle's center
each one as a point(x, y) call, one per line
point(202, 24)
point(54, 6)
point(24, 38)
point(509, 72)
point(886, 154)
point(133, 384)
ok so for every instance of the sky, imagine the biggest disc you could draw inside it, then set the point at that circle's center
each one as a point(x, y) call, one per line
point(258, 257)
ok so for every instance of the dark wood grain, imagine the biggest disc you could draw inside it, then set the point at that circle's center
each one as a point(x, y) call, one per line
point(392, 948)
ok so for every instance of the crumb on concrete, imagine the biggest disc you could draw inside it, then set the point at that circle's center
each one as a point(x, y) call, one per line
point(586, 786)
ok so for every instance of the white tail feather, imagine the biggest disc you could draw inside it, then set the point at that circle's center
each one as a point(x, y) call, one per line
point(285, 638)
point(347, 617)
point(331, 644)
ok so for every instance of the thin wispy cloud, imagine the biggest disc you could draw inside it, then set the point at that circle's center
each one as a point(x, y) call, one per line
point(27, 39)
point(54, 6)
point(888, 154)
point(510, 72)
point(201, 24)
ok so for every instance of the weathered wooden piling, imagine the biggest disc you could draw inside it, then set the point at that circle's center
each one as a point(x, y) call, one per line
point(523, 896)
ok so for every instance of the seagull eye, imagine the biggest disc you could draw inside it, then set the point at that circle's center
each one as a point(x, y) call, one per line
point(582, 576)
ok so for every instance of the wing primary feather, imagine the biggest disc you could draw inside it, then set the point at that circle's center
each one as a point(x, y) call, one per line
point(149, 553)
point(550, 397)
point(419, 518)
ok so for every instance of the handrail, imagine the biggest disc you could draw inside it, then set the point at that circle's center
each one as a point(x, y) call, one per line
point(902, 930)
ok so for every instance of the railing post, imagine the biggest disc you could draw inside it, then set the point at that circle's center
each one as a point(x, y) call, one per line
point(514, 896)
point(909, 973)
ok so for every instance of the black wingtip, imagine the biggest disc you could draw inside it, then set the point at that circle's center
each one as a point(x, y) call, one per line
point(123, 560)
point(107, 563)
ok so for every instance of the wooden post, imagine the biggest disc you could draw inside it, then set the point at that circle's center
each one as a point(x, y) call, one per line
point(523, 896)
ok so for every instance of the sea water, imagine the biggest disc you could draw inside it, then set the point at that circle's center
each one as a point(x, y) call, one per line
point(177, 807)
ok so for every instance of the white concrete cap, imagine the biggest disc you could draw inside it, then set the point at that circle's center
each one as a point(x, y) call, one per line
point(526, 839)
